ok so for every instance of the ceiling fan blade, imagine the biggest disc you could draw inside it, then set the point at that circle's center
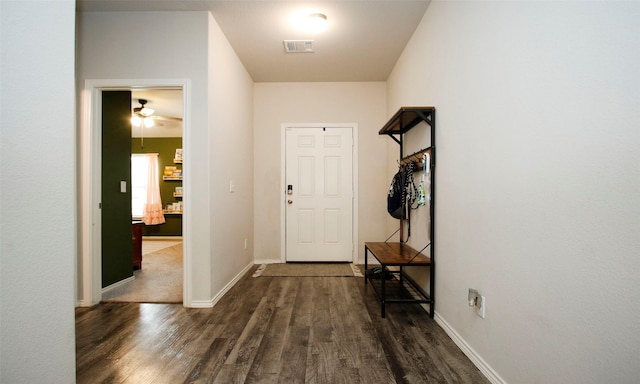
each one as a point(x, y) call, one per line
point(167, 118)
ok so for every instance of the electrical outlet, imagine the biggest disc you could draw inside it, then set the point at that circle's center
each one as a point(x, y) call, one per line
point(481, 306)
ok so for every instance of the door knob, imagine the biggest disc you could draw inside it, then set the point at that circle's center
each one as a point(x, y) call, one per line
point(290, 201)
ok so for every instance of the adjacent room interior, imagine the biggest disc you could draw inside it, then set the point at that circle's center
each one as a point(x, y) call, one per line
point(156, 175)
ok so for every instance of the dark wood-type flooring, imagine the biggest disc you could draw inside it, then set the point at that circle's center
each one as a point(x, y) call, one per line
point(269, 330)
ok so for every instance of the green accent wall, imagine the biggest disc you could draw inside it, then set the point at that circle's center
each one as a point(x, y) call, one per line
point(117, 250)
point(165, 147)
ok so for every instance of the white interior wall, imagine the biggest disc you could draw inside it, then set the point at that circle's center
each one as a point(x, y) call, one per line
point(151, 45)
point(278, 103)
point(231, 159)
point(537, 181)
point(37, 199)
point(190, 45)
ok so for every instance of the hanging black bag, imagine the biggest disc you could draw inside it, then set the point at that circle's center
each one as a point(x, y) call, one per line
point(395, 196)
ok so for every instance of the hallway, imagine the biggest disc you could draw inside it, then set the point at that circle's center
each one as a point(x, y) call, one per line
point(269, 330)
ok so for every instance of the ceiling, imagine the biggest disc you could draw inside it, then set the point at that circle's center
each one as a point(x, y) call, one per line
point(362, 42)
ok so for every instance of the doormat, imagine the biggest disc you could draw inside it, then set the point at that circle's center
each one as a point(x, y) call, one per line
point(306, 270)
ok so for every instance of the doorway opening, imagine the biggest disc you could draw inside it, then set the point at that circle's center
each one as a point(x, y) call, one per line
point(176, 242)
point(156, 200)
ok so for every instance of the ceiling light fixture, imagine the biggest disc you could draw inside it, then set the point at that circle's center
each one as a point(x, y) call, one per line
point(141, 115)
point(147, 121)
point(316, 22)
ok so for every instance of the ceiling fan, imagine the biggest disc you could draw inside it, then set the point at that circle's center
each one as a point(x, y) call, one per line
point(144, 115)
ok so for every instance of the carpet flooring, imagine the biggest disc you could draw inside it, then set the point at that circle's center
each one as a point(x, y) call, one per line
point(304, 270)
point(159, 280)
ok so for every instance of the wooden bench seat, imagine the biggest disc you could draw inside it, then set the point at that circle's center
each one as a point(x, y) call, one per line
point(400, 289)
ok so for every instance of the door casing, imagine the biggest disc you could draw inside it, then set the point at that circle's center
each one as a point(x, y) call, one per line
point(89, 153)
point(283, 187)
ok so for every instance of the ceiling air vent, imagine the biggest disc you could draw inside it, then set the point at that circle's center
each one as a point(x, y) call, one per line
point(298, 46)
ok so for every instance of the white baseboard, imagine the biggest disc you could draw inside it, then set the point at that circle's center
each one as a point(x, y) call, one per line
point(84, 303)
point(267, 261)
point(223, 291)
point(162, 238)
point(200, 304)
point(478, 361)
point(117, 284)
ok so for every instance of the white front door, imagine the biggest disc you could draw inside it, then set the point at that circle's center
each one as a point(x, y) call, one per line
point(319, 195)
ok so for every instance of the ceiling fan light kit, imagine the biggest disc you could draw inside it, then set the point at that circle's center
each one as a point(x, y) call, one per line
point(141, 115)
point(144, 117)
point(138, 121)
point(142, 109)
point(146, 111)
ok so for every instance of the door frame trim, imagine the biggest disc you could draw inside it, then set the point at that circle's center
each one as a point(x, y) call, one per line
point(89, 153)
point(283, 186)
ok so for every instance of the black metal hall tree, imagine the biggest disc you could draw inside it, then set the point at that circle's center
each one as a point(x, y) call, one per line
point(402, 122)
point(403, 289)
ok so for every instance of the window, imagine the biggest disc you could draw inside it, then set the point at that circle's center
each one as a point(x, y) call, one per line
point(146, 203)
point(139, 177)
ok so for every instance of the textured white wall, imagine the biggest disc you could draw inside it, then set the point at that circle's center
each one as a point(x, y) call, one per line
point(161, 45)
point(538, 176)
point(190, 45)
point(37, 200)
point(278, 103)
point(231, 156)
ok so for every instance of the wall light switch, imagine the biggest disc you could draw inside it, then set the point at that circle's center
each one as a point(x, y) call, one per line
point(123, 186)
point(481, 306)
point(473, 297)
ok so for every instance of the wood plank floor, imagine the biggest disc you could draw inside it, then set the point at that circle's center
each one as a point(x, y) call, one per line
point(269, 330)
